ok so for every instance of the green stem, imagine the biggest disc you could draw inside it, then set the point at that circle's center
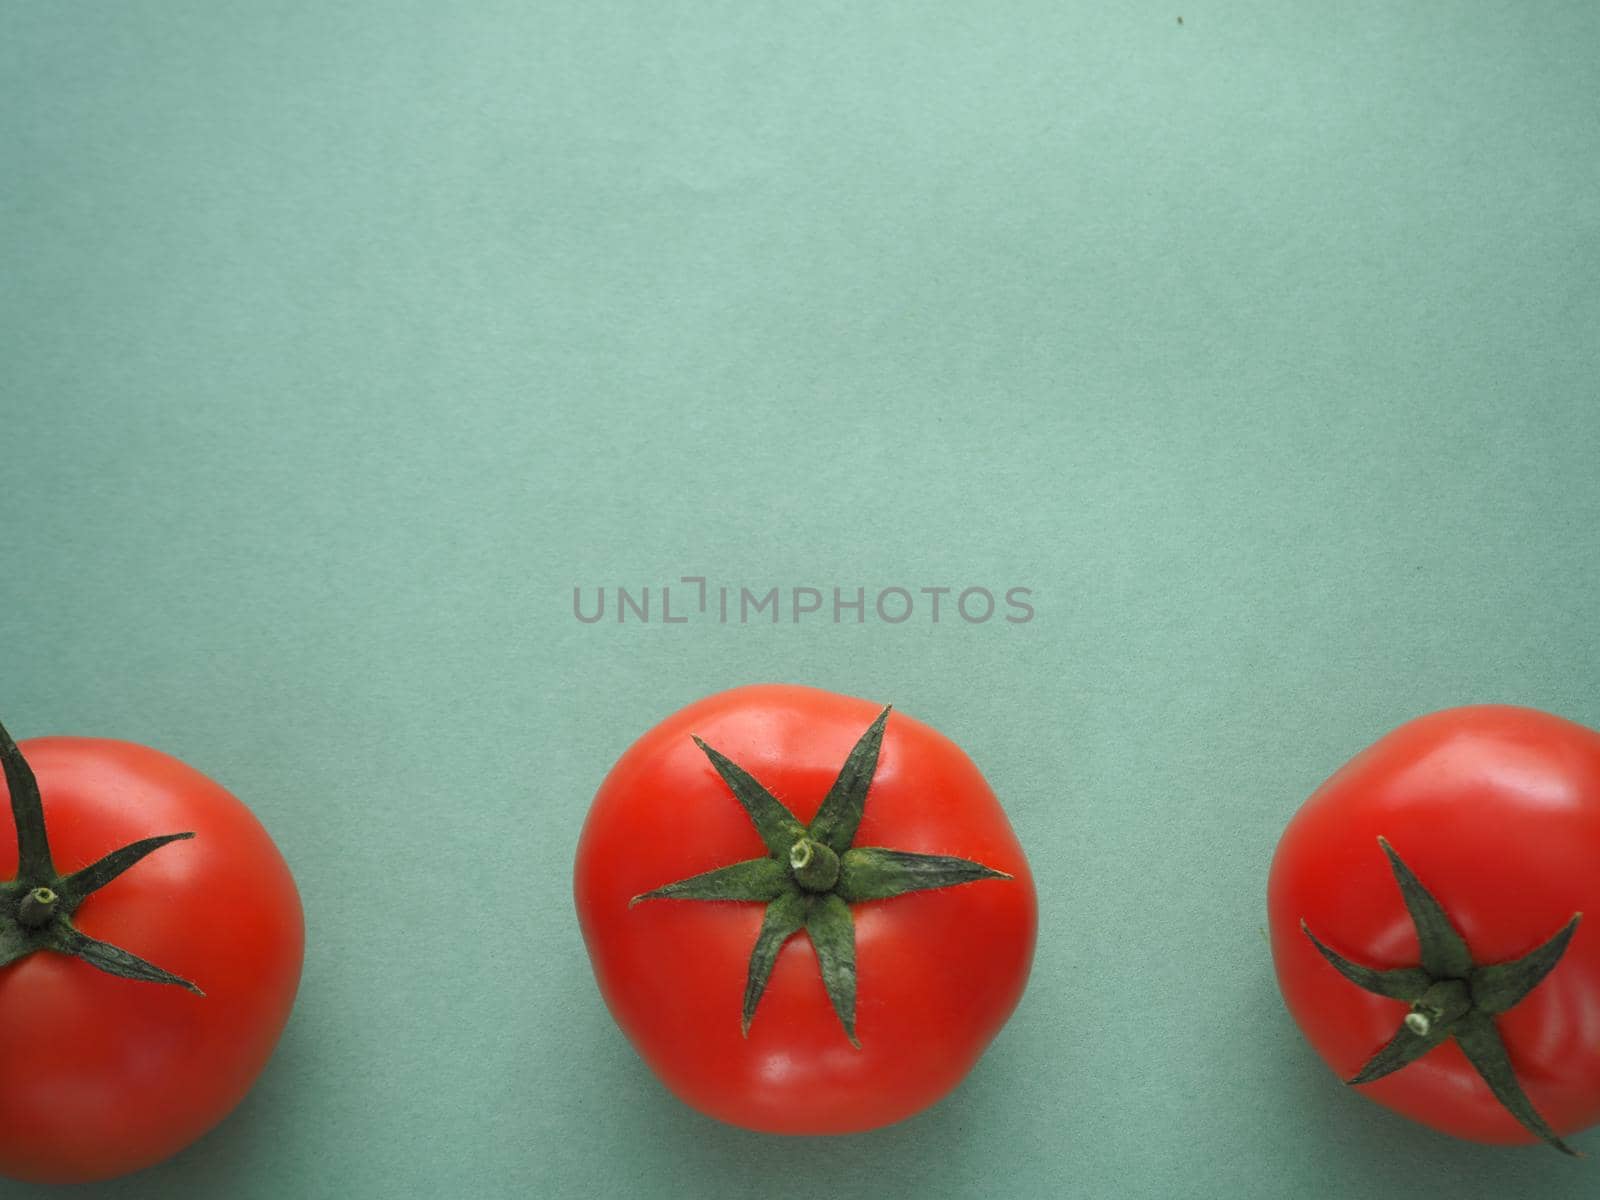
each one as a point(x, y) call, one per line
point(37, 907)
point(1444, 1002)
point(814, 865)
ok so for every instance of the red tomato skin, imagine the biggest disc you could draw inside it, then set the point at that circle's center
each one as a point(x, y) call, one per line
point(1496, 809)
point(938, 972)
point(101, 1075)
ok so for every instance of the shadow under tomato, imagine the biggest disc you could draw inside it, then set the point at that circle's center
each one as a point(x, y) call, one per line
point(237, 1159)
point(666, 1149)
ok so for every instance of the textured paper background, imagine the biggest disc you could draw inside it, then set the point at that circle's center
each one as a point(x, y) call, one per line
point(341, 341)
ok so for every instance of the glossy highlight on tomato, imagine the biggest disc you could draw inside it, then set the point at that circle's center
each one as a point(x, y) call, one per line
point(145, 988)
point(856, 848)
point(1490, 815)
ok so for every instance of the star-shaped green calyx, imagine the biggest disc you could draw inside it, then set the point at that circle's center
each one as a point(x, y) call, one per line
point(812, 874)
point(1451, 996)
point(36, 907)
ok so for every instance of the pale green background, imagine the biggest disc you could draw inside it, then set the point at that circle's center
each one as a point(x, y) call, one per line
point(341, 340)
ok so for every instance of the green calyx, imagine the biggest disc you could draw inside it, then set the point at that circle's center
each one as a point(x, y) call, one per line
point(1453, 997)
point(811, 875)
point(36, 907)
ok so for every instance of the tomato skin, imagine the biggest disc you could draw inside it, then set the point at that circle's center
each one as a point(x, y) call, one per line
point(100, 1076)
point(1497, 811)
point(938, 972)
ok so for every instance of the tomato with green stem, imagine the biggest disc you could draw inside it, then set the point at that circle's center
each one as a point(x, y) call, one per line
point(1426, 908)
point(151, 940)
point(809, 914)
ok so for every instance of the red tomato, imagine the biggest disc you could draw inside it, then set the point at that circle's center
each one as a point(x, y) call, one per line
point(935, 973)
point(104, 1074)
point(1495, 813)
